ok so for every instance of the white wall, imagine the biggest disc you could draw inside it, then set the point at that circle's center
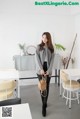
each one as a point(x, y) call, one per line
point(77, 45)
point(22, 22)
point(76, 12)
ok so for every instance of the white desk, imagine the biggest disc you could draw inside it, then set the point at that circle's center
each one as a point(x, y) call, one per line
point(20, 111)
point(10, 74)
point(74, 74)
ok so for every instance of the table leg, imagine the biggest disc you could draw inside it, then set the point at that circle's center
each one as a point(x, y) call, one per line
point(60, 87)
point(58, 77)
point(55, 75)
point(18, 89)
point(60, 84)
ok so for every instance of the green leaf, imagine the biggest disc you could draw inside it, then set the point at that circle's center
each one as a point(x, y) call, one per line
point(21, 46)
point(60, 47)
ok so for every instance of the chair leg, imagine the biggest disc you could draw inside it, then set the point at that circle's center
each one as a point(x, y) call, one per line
point(14, 93)
point(67, 98)
point(60, 87)
point(63, 93)
point(73, 94)
point(70, 100)
point(77, 97)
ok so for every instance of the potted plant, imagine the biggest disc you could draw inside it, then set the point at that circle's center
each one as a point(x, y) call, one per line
point(60, 47)
point(22, 48)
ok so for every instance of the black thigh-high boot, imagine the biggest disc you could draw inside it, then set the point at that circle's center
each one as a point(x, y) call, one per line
point(48, 82)
point(43, 99)
point(43, 105)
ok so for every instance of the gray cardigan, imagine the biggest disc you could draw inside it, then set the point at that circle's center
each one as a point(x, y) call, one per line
point(39, 58)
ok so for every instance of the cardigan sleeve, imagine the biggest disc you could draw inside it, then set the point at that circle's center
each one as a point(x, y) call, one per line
point(51, 64)
point(37, 56)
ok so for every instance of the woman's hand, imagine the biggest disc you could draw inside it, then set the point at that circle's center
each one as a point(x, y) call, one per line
point(42, 72)
point(46, 73)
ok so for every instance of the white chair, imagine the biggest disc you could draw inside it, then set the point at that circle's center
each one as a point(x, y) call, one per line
point(10, 74)
point(7, 89)
point(70, 87)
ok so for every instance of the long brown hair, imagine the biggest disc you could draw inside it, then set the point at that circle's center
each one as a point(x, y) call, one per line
point(49, 42)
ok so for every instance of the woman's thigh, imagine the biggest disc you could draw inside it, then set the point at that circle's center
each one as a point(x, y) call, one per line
point(47, 79)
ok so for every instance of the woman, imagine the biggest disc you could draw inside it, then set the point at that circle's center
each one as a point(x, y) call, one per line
point(44, 63)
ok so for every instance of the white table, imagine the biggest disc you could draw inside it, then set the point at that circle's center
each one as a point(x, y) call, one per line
point(10, 74)
point(74, 74)
point(19, 111)
point(26, 62)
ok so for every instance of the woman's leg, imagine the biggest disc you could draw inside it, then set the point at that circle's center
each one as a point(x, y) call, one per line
point(43, 99)
point(40, 77)
point(48, 83)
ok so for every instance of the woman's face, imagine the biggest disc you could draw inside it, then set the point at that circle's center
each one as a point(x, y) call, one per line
point(44, 39)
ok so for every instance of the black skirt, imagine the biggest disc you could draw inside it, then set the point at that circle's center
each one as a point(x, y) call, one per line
point(45, 66)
